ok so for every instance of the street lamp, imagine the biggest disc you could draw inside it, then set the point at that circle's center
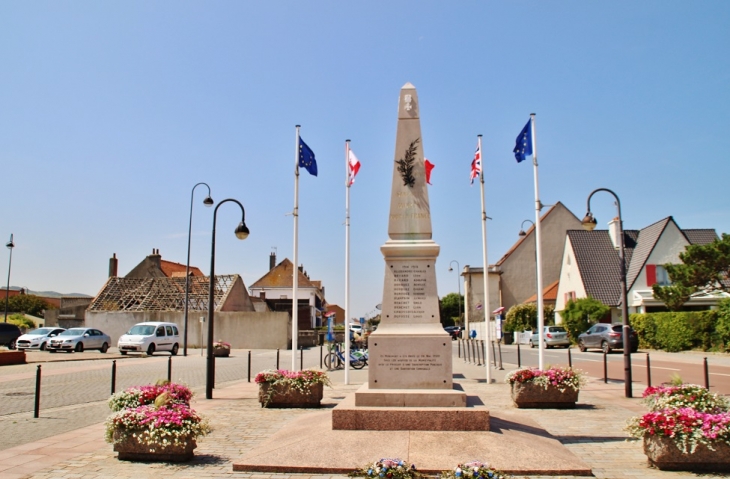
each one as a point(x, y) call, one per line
point(241, 233)
point(208, 202)
point(10, 246)
point(458, 283)
point(522, 229)
point(589, 223)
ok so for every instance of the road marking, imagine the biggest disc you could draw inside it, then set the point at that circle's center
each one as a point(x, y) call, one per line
point(720, 374)
point(655, 367)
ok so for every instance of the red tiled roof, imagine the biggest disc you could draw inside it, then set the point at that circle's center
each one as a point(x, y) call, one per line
point(282, 277)
point(177, 270)
point(550, 293)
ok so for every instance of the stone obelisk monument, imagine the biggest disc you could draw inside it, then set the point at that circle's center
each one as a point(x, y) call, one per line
point(410, 353)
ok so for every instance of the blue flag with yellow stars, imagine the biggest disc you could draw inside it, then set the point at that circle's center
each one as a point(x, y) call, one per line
point(523, 145)
point(306, 158)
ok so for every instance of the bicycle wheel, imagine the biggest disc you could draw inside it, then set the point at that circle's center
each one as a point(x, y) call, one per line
point(357, 363)
point(332, 361)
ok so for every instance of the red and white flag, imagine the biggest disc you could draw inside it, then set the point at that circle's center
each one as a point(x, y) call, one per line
point(429, 166)
point(353, 166)
point(476, 164)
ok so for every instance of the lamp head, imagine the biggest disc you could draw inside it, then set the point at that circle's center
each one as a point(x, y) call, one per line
point(451, 269)
point(10, 245)
point(589, 222)
point(208, 202)
point(522, 233)
point(241, 231)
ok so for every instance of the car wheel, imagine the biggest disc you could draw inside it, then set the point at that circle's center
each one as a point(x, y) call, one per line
point(605, 347)
point(151, 349)
point(532, 345)
point(79, 347)
point(581, 346)
point(104, 348)
point(43, 346)
point(12, 344)
point(123, 353)
point(175, 349)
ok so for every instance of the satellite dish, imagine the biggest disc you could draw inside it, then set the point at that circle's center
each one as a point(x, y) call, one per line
point(378, 307)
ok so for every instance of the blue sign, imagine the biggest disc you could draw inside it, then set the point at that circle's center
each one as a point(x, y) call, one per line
point(362, 320)
point(330, 336)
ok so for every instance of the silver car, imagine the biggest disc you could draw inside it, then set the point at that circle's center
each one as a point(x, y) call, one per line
point(38, 338)
point(79, 339)
point(554, 336)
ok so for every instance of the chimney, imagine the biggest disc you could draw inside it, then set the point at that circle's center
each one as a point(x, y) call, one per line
point(272, 260)
point(113, 263)
point(155, 257)
point(613, 232)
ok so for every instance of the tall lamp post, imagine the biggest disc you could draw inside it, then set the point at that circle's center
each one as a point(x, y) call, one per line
point(208, 201)
point(241, 233)
point(458, 283)
point(10, 246)
point(589, 223)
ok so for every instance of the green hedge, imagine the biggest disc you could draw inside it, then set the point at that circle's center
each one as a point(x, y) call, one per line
point(681, 331)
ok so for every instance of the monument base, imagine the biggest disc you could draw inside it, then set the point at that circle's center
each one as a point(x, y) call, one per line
point(366, 397)
point(348, 415)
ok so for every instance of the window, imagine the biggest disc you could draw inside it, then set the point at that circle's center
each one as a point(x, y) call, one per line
point(570, 295)
point(656, 274)
point(169, 330)
point(160, 331)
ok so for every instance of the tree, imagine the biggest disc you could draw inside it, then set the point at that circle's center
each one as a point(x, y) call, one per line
point(523, 317)
point(449, 309)
point(26, 303)
point(581, 314)
point(703, 268)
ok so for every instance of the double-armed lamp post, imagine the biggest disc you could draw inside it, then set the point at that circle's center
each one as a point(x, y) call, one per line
point(589, 223)
point(241, 233)
point(208, 201)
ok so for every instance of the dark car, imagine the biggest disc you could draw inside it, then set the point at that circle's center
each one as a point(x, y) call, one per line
point(454, 332)
point(607, 337)
point(9, 333)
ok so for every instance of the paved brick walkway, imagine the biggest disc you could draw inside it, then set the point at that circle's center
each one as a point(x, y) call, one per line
point(593, 431)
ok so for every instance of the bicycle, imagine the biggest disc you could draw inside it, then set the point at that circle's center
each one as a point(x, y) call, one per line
point(335, 359)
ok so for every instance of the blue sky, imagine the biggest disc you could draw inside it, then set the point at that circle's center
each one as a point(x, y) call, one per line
point(112, 111)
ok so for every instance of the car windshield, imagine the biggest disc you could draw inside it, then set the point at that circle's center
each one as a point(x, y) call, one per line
point(142, 330)
point(556, 329)
point(73, 332)
point(41, 331)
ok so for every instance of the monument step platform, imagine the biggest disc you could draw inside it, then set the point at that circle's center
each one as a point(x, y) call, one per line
point(474, 416)
point(367, 397)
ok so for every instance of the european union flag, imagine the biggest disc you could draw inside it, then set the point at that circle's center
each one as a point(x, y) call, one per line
point(306, 158)
point(523, 145)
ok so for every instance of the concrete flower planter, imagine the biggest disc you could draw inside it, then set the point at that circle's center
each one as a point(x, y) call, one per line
point(285, 396)
point(221, 352)
point(664, 454)
point(130, 449)
point(531, 395)
point(12, 357)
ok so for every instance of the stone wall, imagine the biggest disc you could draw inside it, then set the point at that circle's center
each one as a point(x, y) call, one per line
point(243, 330)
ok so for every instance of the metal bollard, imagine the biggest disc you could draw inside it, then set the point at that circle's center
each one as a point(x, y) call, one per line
point(277, 359)
point(707, 375)
point(114, 376)
point(494, 355)
point(605, 368)
point(36, 411)
point(466, 351)
point(519, 358)
point(474, 351)
point(570, 358)
point(321, 353)
point(301, 358)
point(249, 366)
point(477, 354)
point(169, 369)
point(458, 344)
point(648, 370)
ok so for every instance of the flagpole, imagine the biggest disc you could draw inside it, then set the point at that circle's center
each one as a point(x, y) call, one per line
point(538, 253)
point(347, 262)
point(295, 277)
point(485, 304)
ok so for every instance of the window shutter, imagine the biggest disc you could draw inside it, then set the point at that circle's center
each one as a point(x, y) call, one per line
point(650, 274)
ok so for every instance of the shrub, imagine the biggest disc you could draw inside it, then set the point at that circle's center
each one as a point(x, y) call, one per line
point(25, 324)
point(523, 317)
point(678, 331)
point(722, 325)
point(581, 314)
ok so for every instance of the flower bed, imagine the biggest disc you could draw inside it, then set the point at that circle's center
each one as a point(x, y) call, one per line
point(551, 388)
point(687, 428)
point(154, 423)
point(282, 388)
point(473, 469)
point(387, 468)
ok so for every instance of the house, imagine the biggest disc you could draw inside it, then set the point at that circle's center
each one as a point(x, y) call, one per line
point(276, 288)
point(153, 266)
point(513, 279)
point(591, 267)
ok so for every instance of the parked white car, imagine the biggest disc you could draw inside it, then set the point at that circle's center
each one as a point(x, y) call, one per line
point(149, 338)
point(38, 338)
point(78, 340)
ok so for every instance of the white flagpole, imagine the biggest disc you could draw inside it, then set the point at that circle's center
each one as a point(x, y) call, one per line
point(485, 304)
point(538, 252)
point(347, 261)
point(295, 277)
